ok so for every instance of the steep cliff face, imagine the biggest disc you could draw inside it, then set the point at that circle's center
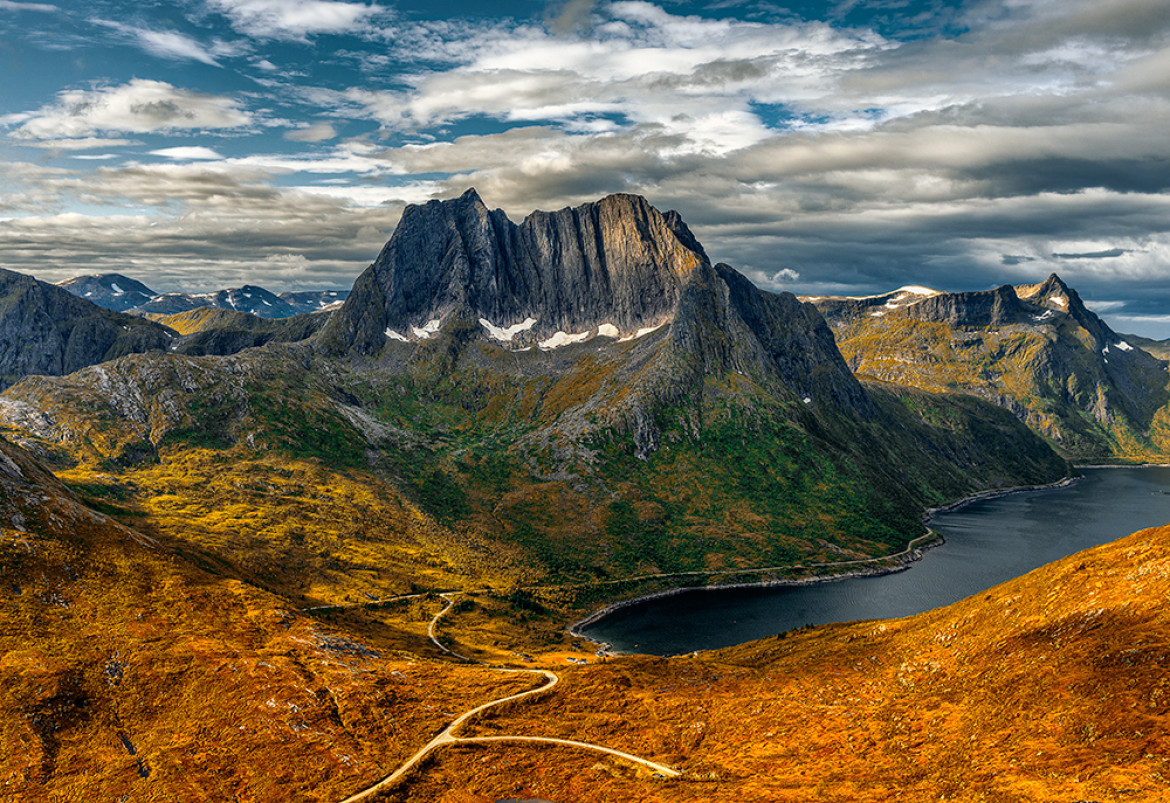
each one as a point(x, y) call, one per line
point(47, 330)
point(1036, 350)
point(611, 267)
point(614, 270)
point(998, 307)
point(724, 323)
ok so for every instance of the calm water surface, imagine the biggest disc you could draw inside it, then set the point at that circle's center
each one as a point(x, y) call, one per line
point(988, 543)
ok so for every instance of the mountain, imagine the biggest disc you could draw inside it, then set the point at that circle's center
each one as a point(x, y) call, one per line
point(610, 268)
point(1157, 348)
point(110, 290)
point(123, 294)
point(306, 301)
point(47, 330)
point(660, 413)
point(163, 619)
point(210, 330)
point(1036, 350)
point(248, 298)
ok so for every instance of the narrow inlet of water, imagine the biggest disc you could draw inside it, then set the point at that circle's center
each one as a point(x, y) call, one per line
point(987, 543)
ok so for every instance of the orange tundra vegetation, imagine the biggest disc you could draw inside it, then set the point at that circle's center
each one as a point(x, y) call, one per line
point(128, 673)
point(1052, 687)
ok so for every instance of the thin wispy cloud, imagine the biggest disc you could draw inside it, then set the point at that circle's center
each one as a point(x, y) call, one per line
point(168, 44)
point(9, 5)
point(317, 132)
point(187, 153)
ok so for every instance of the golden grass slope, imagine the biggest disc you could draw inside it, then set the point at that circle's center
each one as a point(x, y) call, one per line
point(127, 674)
point(1052, 687)
point(125, 671)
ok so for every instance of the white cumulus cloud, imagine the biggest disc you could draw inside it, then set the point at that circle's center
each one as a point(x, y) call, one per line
point(293, 19)
point(140, 106)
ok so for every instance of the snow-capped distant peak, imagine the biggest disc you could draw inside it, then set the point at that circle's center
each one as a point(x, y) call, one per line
point(918, 290)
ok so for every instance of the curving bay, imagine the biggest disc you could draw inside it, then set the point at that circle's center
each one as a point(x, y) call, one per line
point(988, 542)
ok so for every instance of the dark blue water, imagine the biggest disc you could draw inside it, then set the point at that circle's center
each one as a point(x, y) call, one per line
point(988, 543)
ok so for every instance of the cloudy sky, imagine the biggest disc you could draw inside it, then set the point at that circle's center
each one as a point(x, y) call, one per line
point(847, 146)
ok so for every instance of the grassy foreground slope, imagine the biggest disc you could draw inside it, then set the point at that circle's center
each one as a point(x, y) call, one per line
point(124, 670)
point(1052, 687)
point(126, 673)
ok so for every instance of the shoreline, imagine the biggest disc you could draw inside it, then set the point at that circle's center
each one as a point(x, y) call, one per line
point(1125, 465)
point(903, 560)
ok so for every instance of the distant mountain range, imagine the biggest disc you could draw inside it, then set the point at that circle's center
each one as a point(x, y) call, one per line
point(1036, 350)
point(123, 294)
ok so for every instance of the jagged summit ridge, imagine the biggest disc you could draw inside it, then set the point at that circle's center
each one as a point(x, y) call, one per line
point(1035, 349)
point(614, 267)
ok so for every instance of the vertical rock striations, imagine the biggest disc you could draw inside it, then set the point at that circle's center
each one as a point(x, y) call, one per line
point(618, 261)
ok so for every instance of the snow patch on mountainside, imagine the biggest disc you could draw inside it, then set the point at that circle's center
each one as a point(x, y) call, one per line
point(505, 334)
point(643, 332)
point(563, 339)
point(428, 330)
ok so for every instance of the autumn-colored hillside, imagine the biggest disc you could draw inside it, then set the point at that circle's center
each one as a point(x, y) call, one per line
point(124, 670)
point(125, 673)
point(1052, 687)
point(1035, 350)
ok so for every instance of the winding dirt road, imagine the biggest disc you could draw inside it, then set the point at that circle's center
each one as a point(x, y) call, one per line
point(447, 735)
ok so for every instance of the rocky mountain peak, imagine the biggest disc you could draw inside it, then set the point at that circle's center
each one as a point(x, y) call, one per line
point(613, 267)
point(1052, 293)
point(45, 329)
